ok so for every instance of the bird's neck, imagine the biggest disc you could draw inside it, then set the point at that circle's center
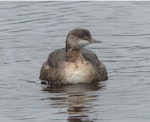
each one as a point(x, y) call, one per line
point(74, 55)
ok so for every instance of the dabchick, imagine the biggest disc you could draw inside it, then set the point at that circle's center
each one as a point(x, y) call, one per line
point(74, 64)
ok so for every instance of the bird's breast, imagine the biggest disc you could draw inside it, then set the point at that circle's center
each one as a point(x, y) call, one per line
point(78, 72)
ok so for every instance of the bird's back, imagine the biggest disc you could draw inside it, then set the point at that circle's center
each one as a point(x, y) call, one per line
point(59, 56)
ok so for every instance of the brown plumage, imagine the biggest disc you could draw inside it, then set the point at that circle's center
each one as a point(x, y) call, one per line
point(74, 64)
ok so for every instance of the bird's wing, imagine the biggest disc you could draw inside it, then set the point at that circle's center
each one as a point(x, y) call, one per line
point(56, 57)
point(96, 63)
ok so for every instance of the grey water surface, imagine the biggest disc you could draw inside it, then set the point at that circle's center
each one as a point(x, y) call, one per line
point(29, 31)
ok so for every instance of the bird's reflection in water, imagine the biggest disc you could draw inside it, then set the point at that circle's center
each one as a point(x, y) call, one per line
point(77, 98)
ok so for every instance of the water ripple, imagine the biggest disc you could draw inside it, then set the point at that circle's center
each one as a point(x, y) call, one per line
point(31, 30)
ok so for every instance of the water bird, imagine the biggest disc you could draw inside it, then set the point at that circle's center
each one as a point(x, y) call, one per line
point(74, 64)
